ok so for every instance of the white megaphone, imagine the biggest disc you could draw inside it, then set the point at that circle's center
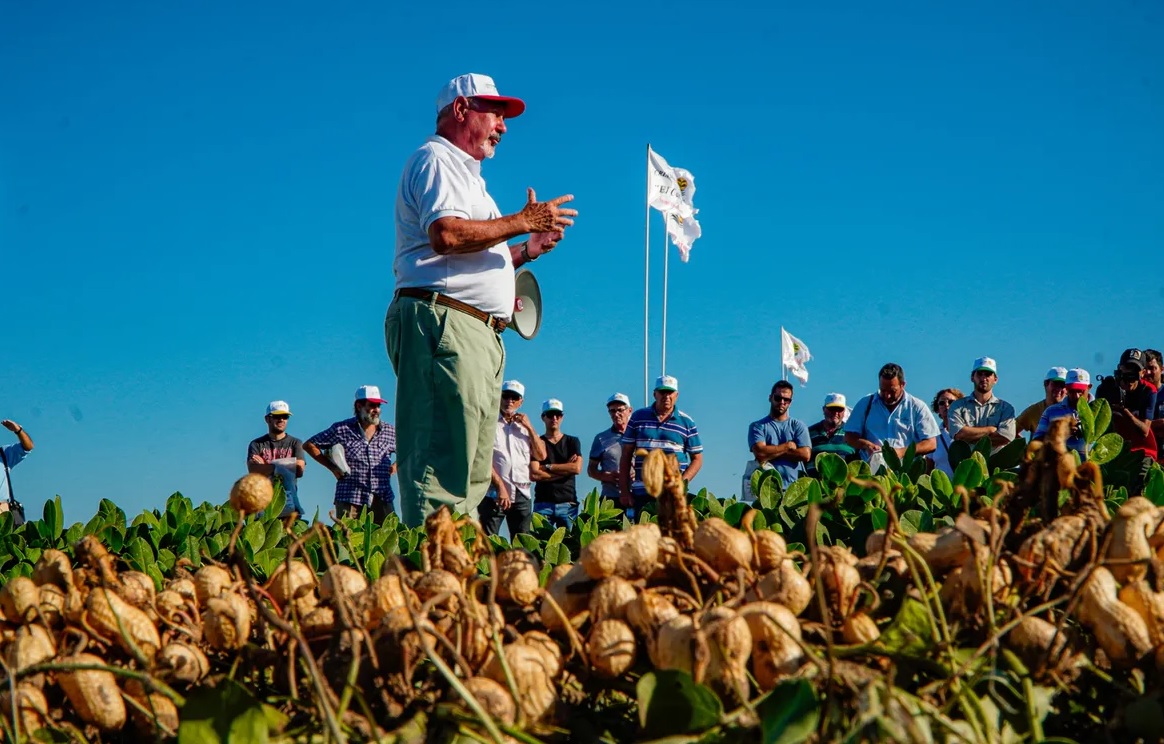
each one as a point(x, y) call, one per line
point(527, 307)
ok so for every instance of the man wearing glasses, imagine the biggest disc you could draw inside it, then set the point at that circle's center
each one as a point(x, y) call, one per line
point(555, 493)
point(279, 456)
point(606, 450)
point(455, 293)
point(362, 465)
point(515, 446)
point(1054, 389)
point(778, 440)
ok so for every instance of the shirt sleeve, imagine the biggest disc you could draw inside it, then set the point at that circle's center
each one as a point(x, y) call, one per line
point(694, 444)
point(858, 415)
point(927, 425)
point(1044, 425)
point(573, 446)
point(14, 453)
point(631, 435)
point(1006, 427)
point(755, 435)
point(436, 191)
point(956, 420)
point(326, 438)
point(298, 451)
point(596, 449)
point(253, 449)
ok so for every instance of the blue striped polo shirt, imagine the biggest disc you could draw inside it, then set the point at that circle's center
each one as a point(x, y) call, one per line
point(676, 434)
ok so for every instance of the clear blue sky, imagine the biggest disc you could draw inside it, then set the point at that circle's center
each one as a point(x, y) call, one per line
point(196, 209)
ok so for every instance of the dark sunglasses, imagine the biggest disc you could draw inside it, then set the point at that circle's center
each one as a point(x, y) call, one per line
point(280, 417)
point(784, 398)
point(552, 414)
point(510, 396)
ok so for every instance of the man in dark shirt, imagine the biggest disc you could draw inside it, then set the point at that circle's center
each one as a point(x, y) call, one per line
point(555, 494)
point(1132, 405)
point(279, 455)
point(828, 434)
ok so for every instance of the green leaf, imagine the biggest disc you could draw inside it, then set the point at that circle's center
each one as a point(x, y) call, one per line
point(222, 714)
point(790, 714)
point(54, 518)
point(1009, 456)
point(734, 513)
point(959, 452)
point(832, 468)
point(858, 469)
point(911, 522)
point(255, 534)
point(880, 518)
point(714, 506)
point(1154, 486)
point(940, 482)
point(671, 703)
point(891, 459)
point(138, 554)
point(1102, 410)
point(1086, 420)
point(529, 542)
point(1106, 448)
point(910, 632)
point(274, 534)
point(770, 488)
point(797, 493)
point(555, 552)
point(968, 474)
point(375, 563)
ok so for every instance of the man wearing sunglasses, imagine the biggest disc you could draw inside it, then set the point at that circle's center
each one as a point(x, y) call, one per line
point(278, 455)
point(455, 293)
point(1133, 404)
point(778, 440)
point(555, 493)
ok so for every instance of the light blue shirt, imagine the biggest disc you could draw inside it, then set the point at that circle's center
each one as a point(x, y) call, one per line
point(910, 422)
point(13, 454)
point(770, 431)
point(442, 180)
point(1059, 410)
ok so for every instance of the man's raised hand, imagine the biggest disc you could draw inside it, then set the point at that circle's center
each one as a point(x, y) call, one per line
point(547, 216)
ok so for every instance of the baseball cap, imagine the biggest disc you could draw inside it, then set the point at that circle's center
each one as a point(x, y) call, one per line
point(1078, 379)
point(1058, 374)
point(553, 404)
point(618, 398)
point(666, 382)
point(985, 363)
point(513, 386)
point(834, 400)
point(370, 393)
point(279, 407)
point(1133, 357)
point(474, 85)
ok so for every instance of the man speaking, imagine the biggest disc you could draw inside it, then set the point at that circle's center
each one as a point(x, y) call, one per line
point(454, 296)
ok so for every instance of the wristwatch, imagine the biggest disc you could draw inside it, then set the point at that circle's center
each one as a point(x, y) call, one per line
point(525, 253)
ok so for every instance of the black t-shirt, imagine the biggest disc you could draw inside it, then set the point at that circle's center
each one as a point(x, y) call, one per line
point(560, 490)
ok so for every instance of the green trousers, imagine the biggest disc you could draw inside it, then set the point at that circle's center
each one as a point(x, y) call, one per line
point(448, 390)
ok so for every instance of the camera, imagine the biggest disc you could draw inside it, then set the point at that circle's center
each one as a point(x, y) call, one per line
point(1109, 388)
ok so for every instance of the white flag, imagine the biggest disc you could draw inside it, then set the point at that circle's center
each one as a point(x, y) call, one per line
point(663, 192)
point(683, 232)
point(686, 183)
point(794, 354)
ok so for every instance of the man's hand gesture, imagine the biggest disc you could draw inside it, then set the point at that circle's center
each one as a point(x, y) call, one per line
point(546, 217)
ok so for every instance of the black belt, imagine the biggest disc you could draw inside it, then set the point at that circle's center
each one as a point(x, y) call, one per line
point(497, 324)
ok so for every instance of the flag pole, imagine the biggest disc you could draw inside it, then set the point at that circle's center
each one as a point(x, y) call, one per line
point(666, 263)
point(783, 368)
point(647, 285)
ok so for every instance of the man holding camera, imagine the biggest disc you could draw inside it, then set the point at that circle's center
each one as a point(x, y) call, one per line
point(1133, 404)
point(1078, 384)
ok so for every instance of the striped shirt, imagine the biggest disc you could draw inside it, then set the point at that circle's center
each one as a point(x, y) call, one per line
point(676, 434)
point(370, 461)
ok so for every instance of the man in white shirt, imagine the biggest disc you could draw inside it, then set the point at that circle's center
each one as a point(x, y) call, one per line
point(515, 445)
point(454, 296)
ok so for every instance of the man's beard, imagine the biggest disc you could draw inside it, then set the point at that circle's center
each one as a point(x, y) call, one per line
point(369, 418)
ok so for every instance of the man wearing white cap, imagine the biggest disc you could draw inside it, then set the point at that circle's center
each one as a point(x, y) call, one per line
point(555, 491)
point(828, 434)
point(454, 296)
point(659, 426)
point(606, 450)
point(515, 446)
point(982, 413)
point(279, 455)
point(364, 473)
point(1054, 390)
point(1078, 388)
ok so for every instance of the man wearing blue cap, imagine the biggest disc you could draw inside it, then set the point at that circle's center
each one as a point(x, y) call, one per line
point(982, 413)
point(659, 426)
point(455, 294)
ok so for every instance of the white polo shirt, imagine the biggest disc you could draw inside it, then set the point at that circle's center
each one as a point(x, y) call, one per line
point(511, 446)
point(442, 180)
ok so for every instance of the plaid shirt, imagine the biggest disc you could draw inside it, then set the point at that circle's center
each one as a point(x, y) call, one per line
point(370, 461)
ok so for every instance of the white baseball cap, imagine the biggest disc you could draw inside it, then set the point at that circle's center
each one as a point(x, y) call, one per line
point(279, 407)
point(370, 393)
point(835, 400)
point(553, 404)
point(1059, 374)
point(513, 386)
point(666, 382)
point(618, 398)
point(1078, 378)
point(474, 85)
point(985, 363)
